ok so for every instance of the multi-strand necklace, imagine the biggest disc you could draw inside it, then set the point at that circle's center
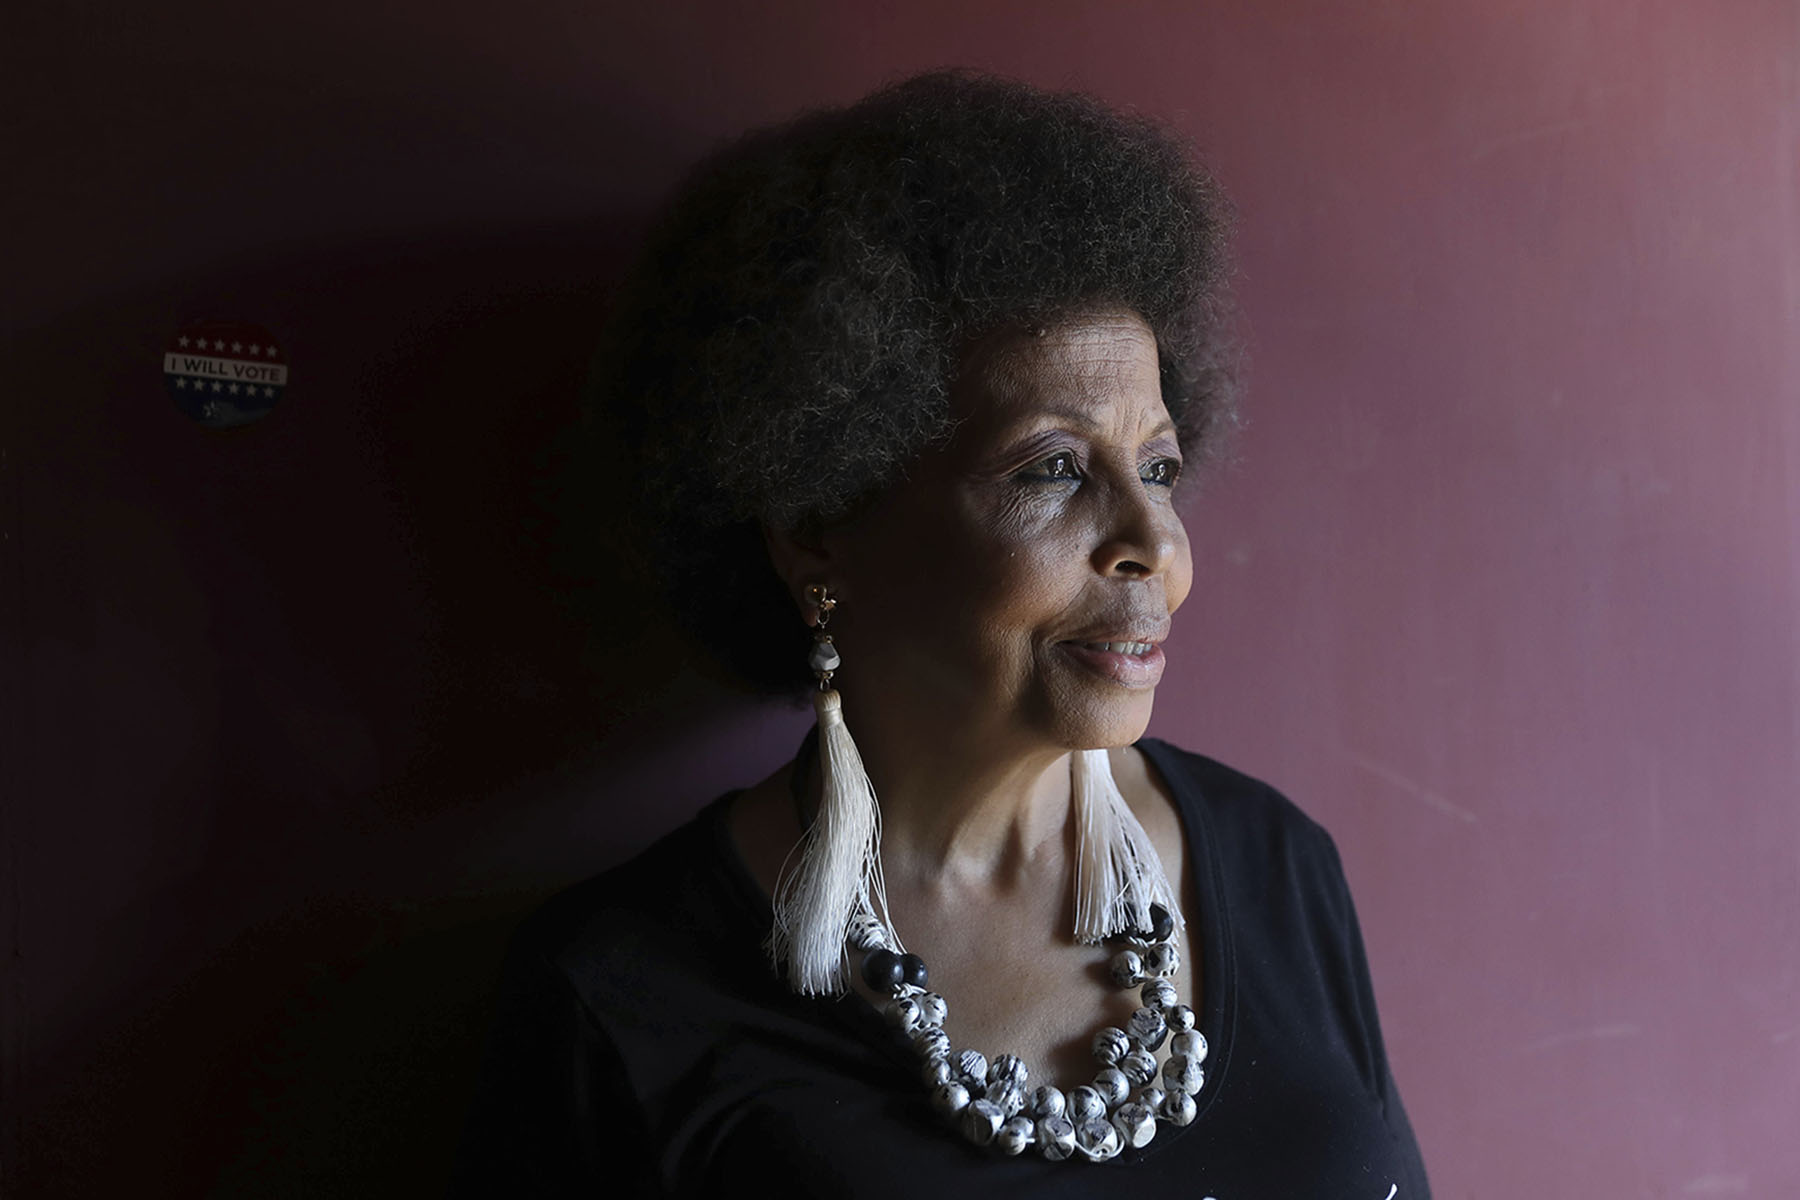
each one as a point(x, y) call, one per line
point(993, 1102)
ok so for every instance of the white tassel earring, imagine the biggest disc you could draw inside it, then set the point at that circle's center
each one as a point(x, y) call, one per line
point(1118, 874)
point(833, 896)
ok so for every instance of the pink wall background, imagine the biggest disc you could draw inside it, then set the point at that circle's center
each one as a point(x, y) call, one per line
point(1504, 590)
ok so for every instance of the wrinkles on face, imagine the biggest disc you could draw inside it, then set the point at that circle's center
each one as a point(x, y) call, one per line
point(1047, 520)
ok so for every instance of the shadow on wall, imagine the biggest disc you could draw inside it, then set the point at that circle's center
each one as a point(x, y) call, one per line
point(315, 709)
point(329, 1053)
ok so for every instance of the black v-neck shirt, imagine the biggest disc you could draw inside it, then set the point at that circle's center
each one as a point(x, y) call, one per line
point(645, 1047)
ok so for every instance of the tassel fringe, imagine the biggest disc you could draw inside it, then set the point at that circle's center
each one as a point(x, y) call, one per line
point(1118, 874)
point(837, 878)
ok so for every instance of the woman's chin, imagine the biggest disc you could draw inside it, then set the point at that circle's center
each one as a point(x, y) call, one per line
point(1096, 723)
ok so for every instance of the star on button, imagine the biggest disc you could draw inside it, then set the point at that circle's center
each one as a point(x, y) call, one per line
point(255, 349)
point(268, 391)
point(181, 381)
point(181, 341)
point(233, 389)
point(236, 346)
point(218, 345)
point(215, 385)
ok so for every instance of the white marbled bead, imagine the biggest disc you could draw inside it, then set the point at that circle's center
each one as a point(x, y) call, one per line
point(932, 1042)
point(1010, 1098)
point(1097, 1139)
point(1128, 968)
point(1047, 1101)
point(936, 1071)
point(1055, 1138)
point(1183, 1074)
point(905, 1014)
point(1136, 1125)
point(1152, 1098)
point(981, 1120)
point(1158, 994)
point(950, 1098)
point(1147, 1028)
point(1008, 1069)
point(1113, 1086)
point(866, 933)
point(1085, 1104)
point(1162, 960)
point(972, 1065)
point(1110, 1045)
point(1178, 1108)
point(933, 1009)
point(1015, 1135)
point(1180, 1018)
point(1139, 1067)
point(1191, 1043)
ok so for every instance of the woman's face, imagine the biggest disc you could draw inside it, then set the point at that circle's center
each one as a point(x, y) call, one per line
point(1018, 584)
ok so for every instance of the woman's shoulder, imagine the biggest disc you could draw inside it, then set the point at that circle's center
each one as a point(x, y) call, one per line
point(1228, 796)
point(1249, 824)
point(680, 889)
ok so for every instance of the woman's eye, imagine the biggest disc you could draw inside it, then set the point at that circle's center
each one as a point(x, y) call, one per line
point(1162, 471)
point(1057, 467)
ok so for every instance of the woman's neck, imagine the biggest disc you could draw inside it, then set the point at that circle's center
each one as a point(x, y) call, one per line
point(966, 811)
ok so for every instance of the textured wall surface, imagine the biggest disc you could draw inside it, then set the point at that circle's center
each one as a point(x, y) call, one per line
point(1505, 588)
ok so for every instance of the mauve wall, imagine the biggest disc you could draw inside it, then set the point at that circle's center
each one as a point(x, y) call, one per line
point(1504, 590)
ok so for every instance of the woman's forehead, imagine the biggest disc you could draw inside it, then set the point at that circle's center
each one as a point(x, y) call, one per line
point(1095, 367)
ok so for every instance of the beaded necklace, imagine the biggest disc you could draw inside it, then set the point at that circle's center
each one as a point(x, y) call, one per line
point(992, 1103)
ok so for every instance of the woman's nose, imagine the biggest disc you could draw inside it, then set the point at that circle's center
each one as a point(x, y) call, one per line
point(1141, 537)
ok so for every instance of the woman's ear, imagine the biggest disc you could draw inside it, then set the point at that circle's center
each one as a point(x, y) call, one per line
point(802, 558)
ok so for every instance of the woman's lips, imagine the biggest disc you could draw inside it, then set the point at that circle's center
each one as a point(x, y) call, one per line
point(1131, 663)
point(1135, 648)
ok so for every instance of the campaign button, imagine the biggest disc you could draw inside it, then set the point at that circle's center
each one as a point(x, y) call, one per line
point(224, 373)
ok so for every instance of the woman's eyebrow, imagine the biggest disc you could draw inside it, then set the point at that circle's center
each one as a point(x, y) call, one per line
point(1080, 418)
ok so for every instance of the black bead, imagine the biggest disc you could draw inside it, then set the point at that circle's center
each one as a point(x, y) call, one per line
point(913, 972)
point(882, 969)
point(1162, 925)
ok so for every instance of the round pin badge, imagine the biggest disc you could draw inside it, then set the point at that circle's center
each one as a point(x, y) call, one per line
point(224, 373)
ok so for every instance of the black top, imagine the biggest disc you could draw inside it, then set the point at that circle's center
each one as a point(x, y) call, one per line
point(645, 1046)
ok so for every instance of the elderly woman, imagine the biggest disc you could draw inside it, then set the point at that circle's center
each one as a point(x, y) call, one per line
point(911, 387)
